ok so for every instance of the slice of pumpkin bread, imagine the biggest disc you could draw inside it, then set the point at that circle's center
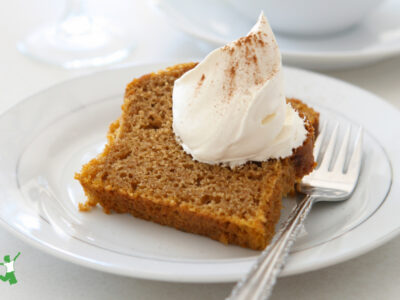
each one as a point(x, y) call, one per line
point(145, 172)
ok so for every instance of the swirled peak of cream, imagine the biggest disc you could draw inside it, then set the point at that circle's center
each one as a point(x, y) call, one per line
point(231, 107)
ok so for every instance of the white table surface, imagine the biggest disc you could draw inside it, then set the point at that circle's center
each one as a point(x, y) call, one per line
point(375, 275)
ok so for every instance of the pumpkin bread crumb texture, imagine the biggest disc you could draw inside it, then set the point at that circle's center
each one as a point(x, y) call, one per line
point(145, 172)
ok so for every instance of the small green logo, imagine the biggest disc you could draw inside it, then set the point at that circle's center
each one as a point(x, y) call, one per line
point(10, 273)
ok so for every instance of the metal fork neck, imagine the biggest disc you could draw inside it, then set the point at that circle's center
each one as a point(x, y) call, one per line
point(260, 280)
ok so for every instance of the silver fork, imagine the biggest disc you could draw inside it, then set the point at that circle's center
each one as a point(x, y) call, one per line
point(323, 184)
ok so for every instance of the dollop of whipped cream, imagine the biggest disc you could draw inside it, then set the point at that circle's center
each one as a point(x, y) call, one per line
point(231, 107)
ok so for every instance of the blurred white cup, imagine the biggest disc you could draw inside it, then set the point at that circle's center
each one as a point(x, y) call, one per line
point(308, 17)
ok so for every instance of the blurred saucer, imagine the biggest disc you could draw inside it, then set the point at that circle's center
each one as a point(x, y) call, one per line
point(218, 22)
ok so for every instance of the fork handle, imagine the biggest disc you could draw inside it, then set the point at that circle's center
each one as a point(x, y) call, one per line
point(259, 282)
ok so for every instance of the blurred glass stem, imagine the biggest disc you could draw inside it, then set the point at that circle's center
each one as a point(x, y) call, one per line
point(78, 40)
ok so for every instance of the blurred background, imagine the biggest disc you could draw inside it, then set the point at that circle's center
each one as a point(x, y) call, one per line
point(314, 34)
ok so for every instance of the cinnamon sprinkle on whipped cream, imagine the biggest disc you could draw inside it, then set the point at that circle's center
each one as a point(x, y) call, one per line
point(231, 107)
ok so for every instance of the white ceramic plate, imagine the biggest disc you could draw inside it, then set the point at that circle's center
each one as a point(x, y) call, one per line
point(218, 22)
point(47, 137)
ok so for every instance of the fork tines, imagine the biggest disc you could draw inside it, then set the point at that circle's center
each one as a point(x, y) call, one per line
point(332, 154)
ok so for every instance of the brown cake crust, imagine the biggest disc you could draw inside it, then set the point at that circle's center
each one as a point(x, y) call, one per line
point(145, 172)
